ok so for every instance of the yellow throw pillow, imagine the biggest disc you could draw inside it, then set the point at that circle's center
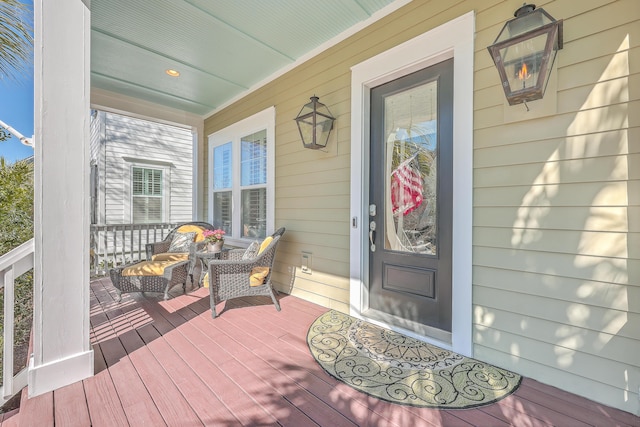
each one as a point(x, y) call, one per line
point(258, 275)
point(265, 243)
point(192, 228)
point(170, 256)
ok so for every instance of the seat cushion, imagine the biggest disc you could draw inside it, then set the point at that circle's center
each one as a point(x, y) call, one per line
point(258, 275)
point(168, 256)
point(256, 278)
point(182, 241)
point(148, 268)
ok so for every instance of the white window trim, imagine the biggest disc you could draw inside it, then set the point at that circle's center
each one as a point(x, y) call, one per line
point(265, 119)
point(166, 188)
point(452, 39)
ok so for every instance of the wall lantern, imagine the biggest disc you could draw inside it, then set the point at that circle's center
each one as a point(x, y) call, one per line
point(524, 53)
point(315, 123)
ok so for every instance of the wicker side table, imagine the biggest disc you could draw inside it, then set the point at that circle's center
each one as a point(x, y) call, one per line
point(204, 257)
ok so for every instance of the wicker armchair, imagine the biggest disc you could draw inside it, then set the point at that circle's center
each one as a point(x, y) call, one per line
point(163, 246)
point(230, 278)
point(160, 275)
point(194, 266)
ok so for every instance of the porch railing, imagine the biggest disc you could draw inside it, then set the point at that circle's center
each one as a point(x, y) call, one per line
point(12, 265)
point(117, 244)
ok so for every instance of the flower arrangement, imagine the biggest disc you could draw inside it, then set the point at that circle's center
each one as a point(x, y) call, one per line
point(213, 236)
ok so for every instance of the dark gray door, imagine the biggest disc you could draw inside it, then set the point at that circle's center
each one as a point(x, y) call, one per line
point(411, 163)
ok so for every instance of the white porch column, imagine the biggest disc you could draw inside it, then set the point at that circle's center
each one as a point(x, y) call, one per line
point(61, 349)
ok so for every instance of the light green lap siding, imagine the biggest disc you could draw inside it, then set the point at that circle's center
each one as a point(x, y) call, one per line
point(556, 215)
point(556, 239)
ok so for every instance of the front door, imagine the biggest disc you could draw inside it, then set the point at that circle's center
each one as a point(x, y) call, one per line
point(410, 212)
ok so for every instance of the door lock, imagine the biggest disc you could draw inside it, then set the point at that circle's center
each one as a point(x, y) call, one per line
point(372, 229)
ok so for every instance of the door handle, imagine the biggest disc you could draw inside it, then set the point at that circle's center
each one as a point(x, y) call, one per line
point(372, 229)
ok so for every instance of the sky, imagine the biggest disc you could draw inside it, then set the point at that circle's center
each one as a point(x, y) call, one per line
point(16, 110)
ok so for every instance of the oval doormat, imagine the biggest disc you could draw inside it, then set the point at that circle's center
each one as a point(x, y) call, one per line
point(400, 369)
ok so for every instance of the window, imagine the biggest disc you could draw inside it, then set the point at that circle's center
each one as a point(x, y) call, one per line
point(147, 202)
point(241, 174)
point(93, 191)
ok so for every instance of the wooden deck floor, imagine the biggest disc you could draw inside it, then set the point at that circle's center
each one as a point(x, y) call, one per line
point(169, 363)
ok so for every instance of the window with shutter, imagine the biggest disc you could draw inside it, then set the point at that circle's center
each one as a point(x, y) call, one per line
point(147, 195)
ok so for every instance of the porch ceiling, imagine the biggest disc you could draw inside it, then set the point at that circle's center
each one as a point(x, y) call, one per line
point(221, 48)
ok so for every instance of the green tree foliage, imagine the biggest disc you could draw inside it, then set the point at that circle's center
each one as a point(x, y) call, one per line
point(16, 204)
point(16, 41)
point(16, 227)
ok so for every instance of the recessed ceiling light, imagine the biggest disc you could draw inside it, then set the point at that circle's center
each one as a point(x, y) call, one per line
point(172, 73)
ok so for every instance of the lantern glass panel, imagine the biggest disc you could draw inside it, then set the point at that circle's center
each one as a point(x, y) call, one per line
point(323, 128)
point(523, 62)
point(306, 129)
point(523, 24)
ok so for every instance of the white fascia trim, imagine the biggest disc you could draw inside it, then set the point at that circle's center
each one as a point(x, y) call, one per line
point(453, 39)
point(112, 102)
point(387, 10)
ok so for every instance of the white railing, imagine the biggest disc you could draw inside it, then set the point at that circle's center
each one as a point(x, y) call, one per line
point(12, 265)
point(118, 244)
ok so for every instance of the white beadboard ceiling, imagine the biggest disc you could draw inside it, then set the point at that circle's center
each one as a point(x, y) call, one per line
point(221, 48)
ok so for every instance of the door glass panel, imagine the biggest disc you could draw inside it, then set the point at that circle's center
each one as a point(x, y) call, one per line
point(411, 159)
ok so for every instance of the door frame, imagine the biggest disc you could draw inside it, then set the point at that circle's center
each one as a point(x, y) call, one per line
point(454, 39)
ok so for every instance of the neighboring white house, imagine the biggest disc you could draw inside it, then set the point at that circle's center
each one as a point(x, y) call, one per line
point(141, 171)
point(141, 182)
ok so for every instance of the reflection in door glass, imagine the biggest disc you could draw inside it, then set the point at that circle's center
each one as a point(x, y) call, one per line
point(411, 155)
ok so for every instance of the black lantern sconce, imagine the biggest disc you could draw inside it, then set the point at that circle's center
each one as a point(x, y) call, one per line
point(524, 53)
point(315, 123)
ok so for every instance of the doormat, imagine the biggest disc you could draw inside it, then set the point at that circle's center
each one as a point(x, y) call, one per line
point(403, 370)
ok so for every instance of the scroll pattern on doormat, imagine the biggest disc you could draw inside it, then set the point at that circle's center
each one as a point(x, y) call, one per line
point(400, 369)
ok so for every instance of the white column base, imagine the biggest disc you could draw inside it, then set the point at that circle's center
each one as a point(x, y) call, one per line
point(51, 376)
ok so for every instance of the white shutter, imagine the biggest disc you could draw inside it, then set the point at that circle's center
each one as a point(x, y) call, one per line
point(147, 200)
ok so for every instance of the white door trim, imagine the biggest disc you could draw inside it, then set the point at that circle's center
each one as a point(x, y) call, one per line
point(453, 39)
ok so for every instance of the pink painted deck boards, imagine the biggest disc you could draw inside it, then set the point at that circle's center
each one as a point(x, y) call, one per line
point(169, 363)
